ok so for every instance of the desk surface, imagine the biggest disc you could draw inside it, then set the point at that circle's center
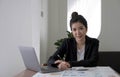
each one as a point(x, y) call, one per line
point(29, 73)
point(26, 73)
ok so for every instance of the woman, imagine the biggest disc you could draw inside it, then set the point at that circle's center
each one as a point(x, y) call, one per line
point(78, 51)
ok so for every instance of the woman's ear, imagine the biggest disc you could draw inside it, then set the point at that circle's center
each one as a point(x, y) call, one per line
point(71, 32)
point(86, 30)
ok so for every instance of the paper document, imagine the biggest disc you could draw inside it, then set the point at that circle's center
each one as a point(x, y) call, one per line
point(74, 73)
point(106, 72)
point(82, 72)
point(56, 74)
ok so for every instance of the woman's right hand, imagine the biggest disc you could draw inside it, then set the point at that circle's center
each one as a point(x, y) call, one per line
point(58, 61)
point(62, 65)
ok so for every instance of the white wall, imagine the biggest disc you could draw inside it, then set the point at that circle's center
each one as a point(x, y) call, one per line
point(36, 20)
point(44, 31)
point(109, 38)
point(19, 25)
point(57, 23)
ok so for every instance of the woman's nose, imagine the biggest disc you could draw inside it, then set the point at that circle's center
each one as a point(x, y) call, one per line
point(78, 32)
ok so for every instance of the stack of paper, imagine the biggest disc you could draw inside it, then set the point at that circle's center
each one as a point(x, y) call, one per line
point(82, 72)
point(56, 74)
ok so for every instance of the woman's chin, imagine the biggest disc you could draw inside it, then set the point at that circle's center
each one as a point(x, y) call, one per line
point(78, 39)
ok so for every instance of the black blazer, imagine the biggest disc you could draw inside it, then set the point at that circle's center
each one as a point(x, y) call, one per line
point(68, 50)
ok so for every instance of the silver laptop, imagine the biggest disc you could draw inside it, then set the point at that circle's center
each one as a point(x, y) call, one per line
point(31, 61)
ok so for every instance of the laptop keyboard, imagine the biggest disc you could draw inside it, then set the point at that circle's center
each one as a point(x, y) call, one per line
point(49, 69)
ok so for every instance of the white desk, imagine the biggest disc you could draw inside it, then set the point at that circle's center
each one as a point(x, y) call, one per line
point(91, 72)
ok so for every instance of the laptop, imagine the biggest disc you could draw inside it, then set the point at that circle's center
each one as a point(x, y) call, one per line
point(31, 62)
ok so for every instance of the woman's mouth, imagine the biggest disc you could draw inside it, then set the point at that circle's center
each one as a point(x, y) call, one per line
point(79, 37)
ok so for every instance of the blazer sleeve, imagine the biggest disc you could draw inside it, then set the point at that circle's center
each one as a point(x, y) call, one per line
point(91, 56)
point(60, 51)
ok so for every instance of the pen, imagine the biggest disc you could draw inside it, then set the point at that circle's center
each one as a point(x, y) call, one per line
point(59, 57)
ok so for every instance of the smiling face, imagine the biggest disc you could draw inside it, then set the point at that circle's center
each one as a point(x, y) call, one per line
point(79, 31)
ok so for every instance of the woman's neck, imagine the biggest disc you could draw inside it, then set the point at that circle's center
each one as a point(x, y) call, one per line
point(80, 43)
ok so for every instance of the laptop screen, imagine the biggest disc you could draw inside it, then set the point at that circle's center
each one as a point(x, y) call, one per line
point(30, 58)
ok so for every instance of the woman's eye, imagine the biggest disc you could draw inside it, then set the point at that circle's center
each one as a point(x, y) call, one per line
point(80, 28)
point(74, 29)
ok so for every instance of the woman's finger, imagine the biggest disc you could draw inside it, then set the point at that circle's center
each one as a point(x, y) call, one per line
point(58, 61)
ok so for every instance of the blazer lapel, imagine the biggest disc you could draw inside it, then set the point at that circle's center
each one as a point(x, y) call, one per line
point(74, 50)
point(86, 47)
